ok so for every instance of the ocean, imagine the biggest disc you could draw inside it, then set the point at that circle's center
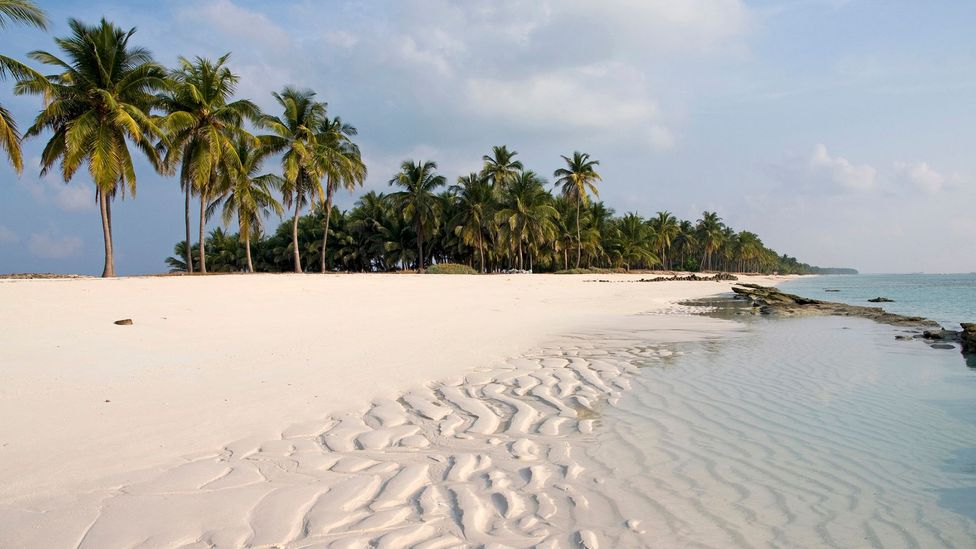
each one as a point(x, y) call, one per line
point(946, 298)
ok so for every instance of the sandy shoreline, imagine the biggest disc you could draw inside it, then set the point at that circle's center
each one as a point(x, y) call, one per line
point(214, 360)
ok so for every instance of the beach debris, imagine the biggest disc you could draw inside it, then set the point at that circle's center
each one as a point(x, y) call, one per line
point(881, 300)
point(124, 322)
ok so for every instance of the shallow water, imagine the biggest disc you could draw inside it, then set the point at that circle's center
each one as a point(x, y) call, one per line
point(811, 432)
point(946, 298)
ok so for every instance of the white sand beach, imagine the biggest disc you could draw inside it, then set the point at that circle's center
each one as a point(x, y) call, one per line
point(345, 393)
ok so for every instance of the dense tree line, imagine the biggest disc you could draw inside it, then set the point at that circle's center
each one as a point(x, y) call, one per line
point(107, 99)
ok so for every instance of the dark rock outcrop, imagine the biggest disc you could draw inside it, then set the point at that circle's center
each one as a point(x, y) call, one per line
point(124, 322)
point(717, 277)
point(968, 337)
point(769, 300)
point(881, 300)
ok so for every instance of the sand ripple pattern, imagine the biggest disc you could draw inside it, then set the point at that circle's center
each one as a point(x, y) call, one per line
point(491, 459)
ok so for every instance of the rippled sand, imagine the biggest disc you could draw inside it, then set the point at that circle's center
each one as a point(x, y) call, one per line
point(818, 432)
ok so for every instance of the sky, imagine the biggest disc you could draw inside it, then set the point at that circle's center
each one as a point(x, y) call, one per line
point(841, 131)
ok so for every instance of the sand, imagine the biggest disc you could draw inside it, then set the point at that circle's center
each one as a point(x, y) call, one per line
point(300, 410)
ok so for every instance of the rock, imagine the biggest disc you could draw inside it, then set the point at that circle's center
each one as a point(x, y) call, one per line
point(124, 322)
point(904, 338)
point(968, 338)
point(830, 290)
point(881, 300)
point(942, 346)
point(771, 300)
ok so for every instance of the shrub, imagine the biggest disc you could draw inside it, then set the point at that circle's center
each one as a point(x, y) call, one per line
point(451, 269)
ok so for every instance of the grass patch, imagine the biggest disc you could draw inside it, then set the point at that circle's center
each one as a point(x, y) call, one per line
point(451, 269)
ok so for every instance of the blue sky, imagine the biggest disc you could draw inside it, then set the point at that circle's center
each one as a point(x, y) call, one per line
point(841, 131)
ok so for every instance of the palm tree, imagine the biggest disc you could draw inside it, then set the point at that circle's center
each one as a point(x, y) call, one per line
point(577, 180)
point(417, 201)
point(202, 124)
point(632, 241)
point(474, 206)
point(27, 12)
point(246, 194)
point(665, 229)
point(526, 215)
point(341, 162)
point(710, 235)
point(295, 134)
point(500, 167)
point(95, 107)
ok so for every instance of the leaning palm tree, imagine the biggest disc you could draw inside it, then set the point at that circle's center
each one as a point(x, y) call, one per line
point(95, 107)
point(201, 124)
point(339, 159)
point(247, 195)
point(26, 12)
point(577, 180)
point(294, 134)
point(417, 200)
point(500, 167)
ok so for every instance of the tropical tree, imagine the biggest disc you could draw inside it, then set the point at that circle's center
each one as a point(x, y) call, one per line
point(527, 216)
point(578, 179)
point(709, 230)
point(26, 12)
point(500, 167)
point(632, 243)
point(474, 210)
point(95, 107)
point(247, 195)
point(202, 124)
point(295, 133)
point(417, 200)
point(340, 161)
point(664, 229)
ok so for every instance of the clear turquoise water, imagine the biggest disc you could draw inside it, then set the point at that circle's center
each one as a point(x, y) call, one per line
point(805, 432)
point(946, 298)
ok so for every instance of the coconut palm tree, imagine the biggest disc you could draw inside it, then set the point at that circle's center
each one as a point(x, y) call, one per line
point(339, 159)
point(665, 229)
point(95, 107)
point(526, 216)
point(500, 167)
point(710, 236)
point(417, 200)
point(202, 123)
point(295, 134)
point(26, 12)
point(245, 194)
point(577, 180)
point(474, 210)
point(633, 243)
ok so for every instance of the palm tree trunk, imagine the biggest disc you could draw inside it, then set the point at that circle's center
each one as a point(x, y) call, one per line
point(521, 263)
point(294, 235)
point(565, 258)
point(481, 252)
point(109, 269)
point(203, 232)
point(247, 250)
point(189, 243)
point(328, 216)
point(579, 240)
point(420, 245)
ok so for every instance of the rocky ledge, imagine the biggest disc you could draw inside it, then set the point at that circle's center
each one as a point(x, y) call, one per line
point(771, 301)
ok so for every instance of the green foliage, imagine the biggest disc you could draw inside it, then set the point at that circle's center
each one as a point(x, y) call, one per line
point(450, 269)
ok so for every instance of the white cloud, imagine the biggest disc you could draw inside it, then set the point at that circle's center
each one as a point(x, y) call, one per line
point(660, 138)
point(70, 197)
point(919, 175)
point(6, 235)
point(842, 171)
point(48, 246)
point(233, 20)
